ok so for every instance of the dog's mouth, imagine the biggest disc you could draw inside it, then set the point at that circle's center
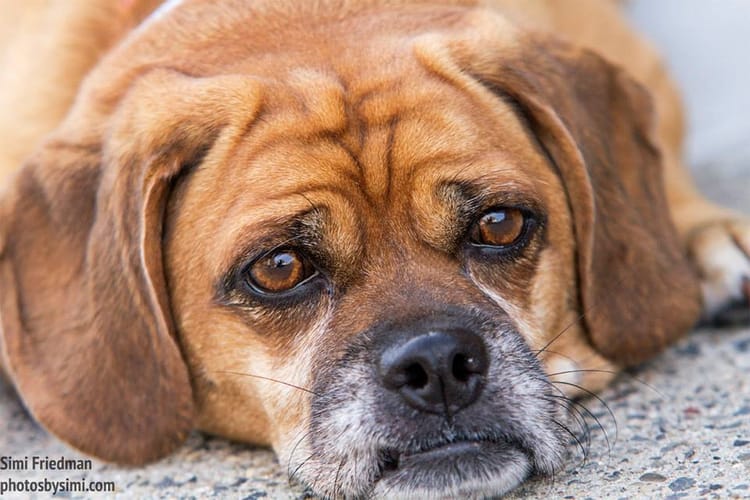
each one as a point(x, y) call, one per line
point(453, 452)
point(453, 468)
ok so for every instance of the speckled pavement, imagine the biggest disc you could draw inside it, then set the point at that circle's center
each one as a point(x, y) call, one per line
point(682, 425)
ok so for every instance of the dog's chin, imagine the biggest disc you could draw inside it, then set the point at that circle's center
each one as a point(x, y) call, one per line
point(463, 469)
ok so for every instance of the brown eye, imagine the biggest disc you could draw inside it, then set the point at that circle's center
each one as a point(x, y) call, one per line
point(500, 227)
point(279, 271)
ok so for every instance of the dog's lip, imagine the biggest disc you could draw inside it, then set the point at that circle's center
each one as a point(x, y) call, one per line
point(456, 466)
point(445, 452)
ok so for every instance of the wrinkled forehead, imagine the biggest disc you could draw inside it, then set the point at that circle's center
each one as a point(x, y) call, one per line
point(368, 149)
point(368, 131)
point(377, 130)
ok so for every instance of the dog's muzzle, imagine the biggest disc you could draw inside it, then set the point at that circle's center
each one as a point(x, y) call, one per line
point(451, 403)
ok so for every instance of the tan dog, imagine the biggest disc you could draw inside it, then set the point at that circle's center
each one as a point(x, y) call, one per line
point(364, 233)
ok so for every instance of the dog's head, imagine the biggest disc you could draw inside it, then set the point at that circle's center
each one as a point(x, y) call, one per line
point(365, 238)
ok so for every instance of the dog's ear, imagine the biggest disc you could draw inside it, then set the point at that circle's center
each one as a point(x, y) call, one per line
point(88, 335)
point(596, 124)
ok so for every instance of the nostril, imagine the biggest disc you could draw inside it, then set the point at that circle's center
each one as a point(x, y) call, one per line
point(416, 376)
point(462, 367)
point(466, 366)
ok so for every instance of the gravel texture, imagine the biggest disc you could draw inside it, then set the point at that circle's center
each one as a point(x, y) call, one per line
point(681, 424)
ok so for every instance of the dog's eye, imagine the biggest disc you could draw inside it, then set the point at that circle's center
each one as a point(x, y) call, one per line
point(499, 228)
point(279, 271)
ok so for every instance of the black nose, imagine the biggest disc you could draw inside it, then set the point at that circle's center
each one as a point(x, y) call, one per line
point(437, 372)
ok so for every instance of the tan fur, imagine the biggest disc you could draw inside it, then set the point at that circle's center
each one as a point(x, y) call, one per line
point(172, 164)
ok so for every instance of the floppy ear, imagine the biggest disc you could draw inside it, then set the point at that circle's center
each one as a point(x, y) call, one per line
point(638, 292)
point(87, 330)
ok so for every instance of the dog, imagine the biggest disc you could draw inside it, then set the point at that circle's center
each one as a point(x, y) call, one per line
point(371, 234)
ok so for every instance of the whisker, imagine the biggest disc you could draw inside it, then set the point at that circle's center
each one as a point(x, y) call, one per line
point(554, 339)
point(579, 318)
point(576, 361)
point(613, 372)
point(296, 469)
point(595, 396)
point(575, 412)
point(289, 472)
point(611, 444)
point(252, 375)
point(568, 404)
point(336, 487)
point(577, 417)
point(577, 405)
point(578, 441)
point(552, 483)
point(596, 419)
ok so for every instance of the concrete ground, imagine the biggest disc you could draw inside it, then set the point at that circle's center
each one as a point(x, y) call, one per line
point(679, 426)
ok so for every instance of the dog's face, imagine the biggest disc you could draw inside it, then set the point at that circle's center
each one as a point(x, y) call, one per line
point(389, 255)
point(365, 240)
